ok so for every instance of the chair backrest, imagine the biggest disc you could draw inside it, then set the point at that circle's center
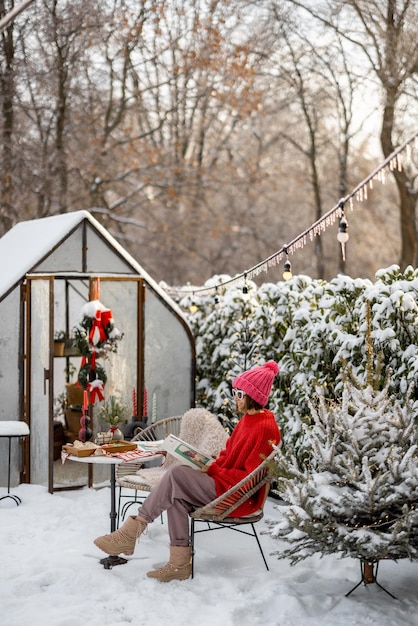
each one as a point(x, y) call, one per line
point(225, 504)
point(160, 430)
point(204, 431)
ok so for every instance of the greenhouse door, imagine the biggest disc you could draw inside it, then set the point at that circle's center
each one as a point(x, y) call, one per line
point(38, 384)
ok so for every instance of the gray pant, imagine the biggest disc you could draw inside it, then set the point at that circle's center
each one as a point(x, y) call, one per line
point(180, 491)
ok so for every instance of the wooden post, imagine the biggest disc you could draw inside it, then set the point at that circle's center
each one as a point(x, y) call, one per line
point(95, 288)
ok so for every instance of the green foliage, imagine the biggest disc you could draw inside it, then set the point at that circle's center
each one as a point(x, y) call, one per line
point(358, 494)
point(86, 375)
point(345, 400)
point(113, 411)
point(307, 326)
point(70, 371)
point(109, 343)
point(227, 342)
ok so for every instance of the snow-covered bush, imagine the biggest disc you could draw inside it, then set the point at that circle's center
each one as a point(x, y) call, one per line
point(307, 326)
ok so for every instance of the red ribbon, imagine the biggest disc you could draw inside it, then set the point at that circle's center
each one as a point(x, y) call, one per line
point(106, 317)
point(97, 332)
point(95, 390)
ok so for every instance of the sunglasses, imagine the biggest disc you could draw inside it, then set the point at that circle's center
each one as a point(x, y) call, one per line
point(237, 393)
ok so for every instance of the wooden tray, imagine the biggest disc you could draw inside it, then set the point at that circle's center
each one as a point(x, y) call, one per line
point(69, 449)
point(119, 446)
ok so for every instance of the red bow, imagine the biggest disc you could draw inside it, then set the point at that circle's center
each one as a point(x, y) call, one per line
point(106, 317)
point(95, 390)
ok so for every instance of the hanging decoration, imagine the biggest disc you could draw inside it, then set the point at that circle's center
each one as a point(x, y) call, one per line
point(96, 333)
point(193, 308)
point(287, 268)
point(92, 376)
point(343, 235)
point(245, 287)
point(359, 193)
point(95, 337)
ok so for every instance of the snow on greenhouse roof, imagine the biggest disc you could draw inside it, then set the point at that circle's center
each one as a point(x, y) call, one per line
point(25, 245)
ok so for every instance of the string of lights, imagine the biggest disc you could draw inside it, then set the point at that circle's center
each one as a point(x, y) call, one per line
point(358, 194)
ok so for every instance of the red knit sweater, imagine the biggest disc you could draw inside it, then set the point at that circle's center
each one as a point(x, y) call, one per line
point(244, 451)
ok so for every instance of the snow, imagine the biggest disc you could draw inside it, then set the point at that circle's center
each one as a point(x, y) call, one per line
point(25, 246)
point(13, 429)
point(18, 252)
point(51, 575)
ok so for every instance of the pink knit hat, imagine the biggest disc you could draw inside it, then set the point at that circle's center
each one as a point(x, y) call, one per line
point(257, 383)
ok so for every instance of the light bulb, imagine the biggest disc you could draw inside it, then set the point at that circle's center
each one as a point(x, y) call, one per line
point(343, 235)
point(193, 308)
point(287, 270)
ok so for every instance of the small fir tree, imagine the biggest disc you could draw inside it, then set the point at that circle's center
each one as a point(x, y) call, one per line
point(357, 495)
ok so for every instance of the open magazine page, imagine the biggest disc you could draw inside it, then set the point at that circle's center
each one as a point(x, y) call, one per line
point(186, 453)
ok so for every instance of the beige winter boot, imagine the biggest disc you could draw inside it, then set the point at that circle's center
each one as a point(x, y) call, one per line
point(123, 540)
point(179, 567)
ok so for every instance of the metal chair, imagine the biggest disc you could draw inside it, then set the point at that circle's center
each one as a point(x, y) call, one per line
point(219, 513)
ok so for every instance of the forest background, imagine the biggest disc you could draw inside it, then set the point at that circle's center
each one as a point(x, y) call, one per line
point(205, 134)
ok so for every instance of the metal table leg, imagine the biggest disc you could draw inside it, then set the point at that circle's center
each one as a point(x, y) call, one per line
point(10, 495)
point(110, 561)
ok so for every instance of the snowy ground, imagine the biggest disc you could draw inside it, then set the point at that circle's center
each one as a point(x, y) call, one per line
point(51, 576)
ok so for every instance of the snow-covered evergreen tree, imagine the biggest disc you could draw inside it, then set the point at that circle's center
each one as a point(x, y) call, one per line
point(227, 343)
point(357, 494)
point(307, 326)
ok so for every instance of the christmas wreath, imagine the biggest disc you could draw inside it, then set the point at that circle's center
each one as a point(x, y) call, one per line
point(96, 332)
point(88, 375)
point(92, 377)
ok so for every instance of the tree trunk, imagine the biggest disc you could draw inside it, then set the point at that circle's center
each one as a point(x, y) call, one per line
point(391, 81)
point(368, 572)
point(6, 96)
point(407, 198)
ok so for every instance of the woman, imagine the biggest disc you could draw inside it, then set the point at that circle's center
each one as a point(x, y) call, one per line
point(183, 489)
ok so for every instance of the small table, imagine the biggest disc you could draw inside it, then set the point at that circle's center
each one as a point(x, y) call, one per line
point(110, 561)
point(12, 429)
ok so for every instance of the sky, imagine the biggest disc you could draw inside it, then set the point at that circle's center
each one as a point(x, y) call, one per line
point(50, 575)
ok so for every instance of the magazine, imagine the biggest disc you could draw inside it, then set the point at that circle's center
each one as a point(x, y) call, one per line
point(186, 453)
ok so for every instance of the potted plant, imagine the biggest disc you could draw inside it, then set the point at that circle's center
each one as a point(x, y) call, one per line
point(59, 343)
point(114, 412)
